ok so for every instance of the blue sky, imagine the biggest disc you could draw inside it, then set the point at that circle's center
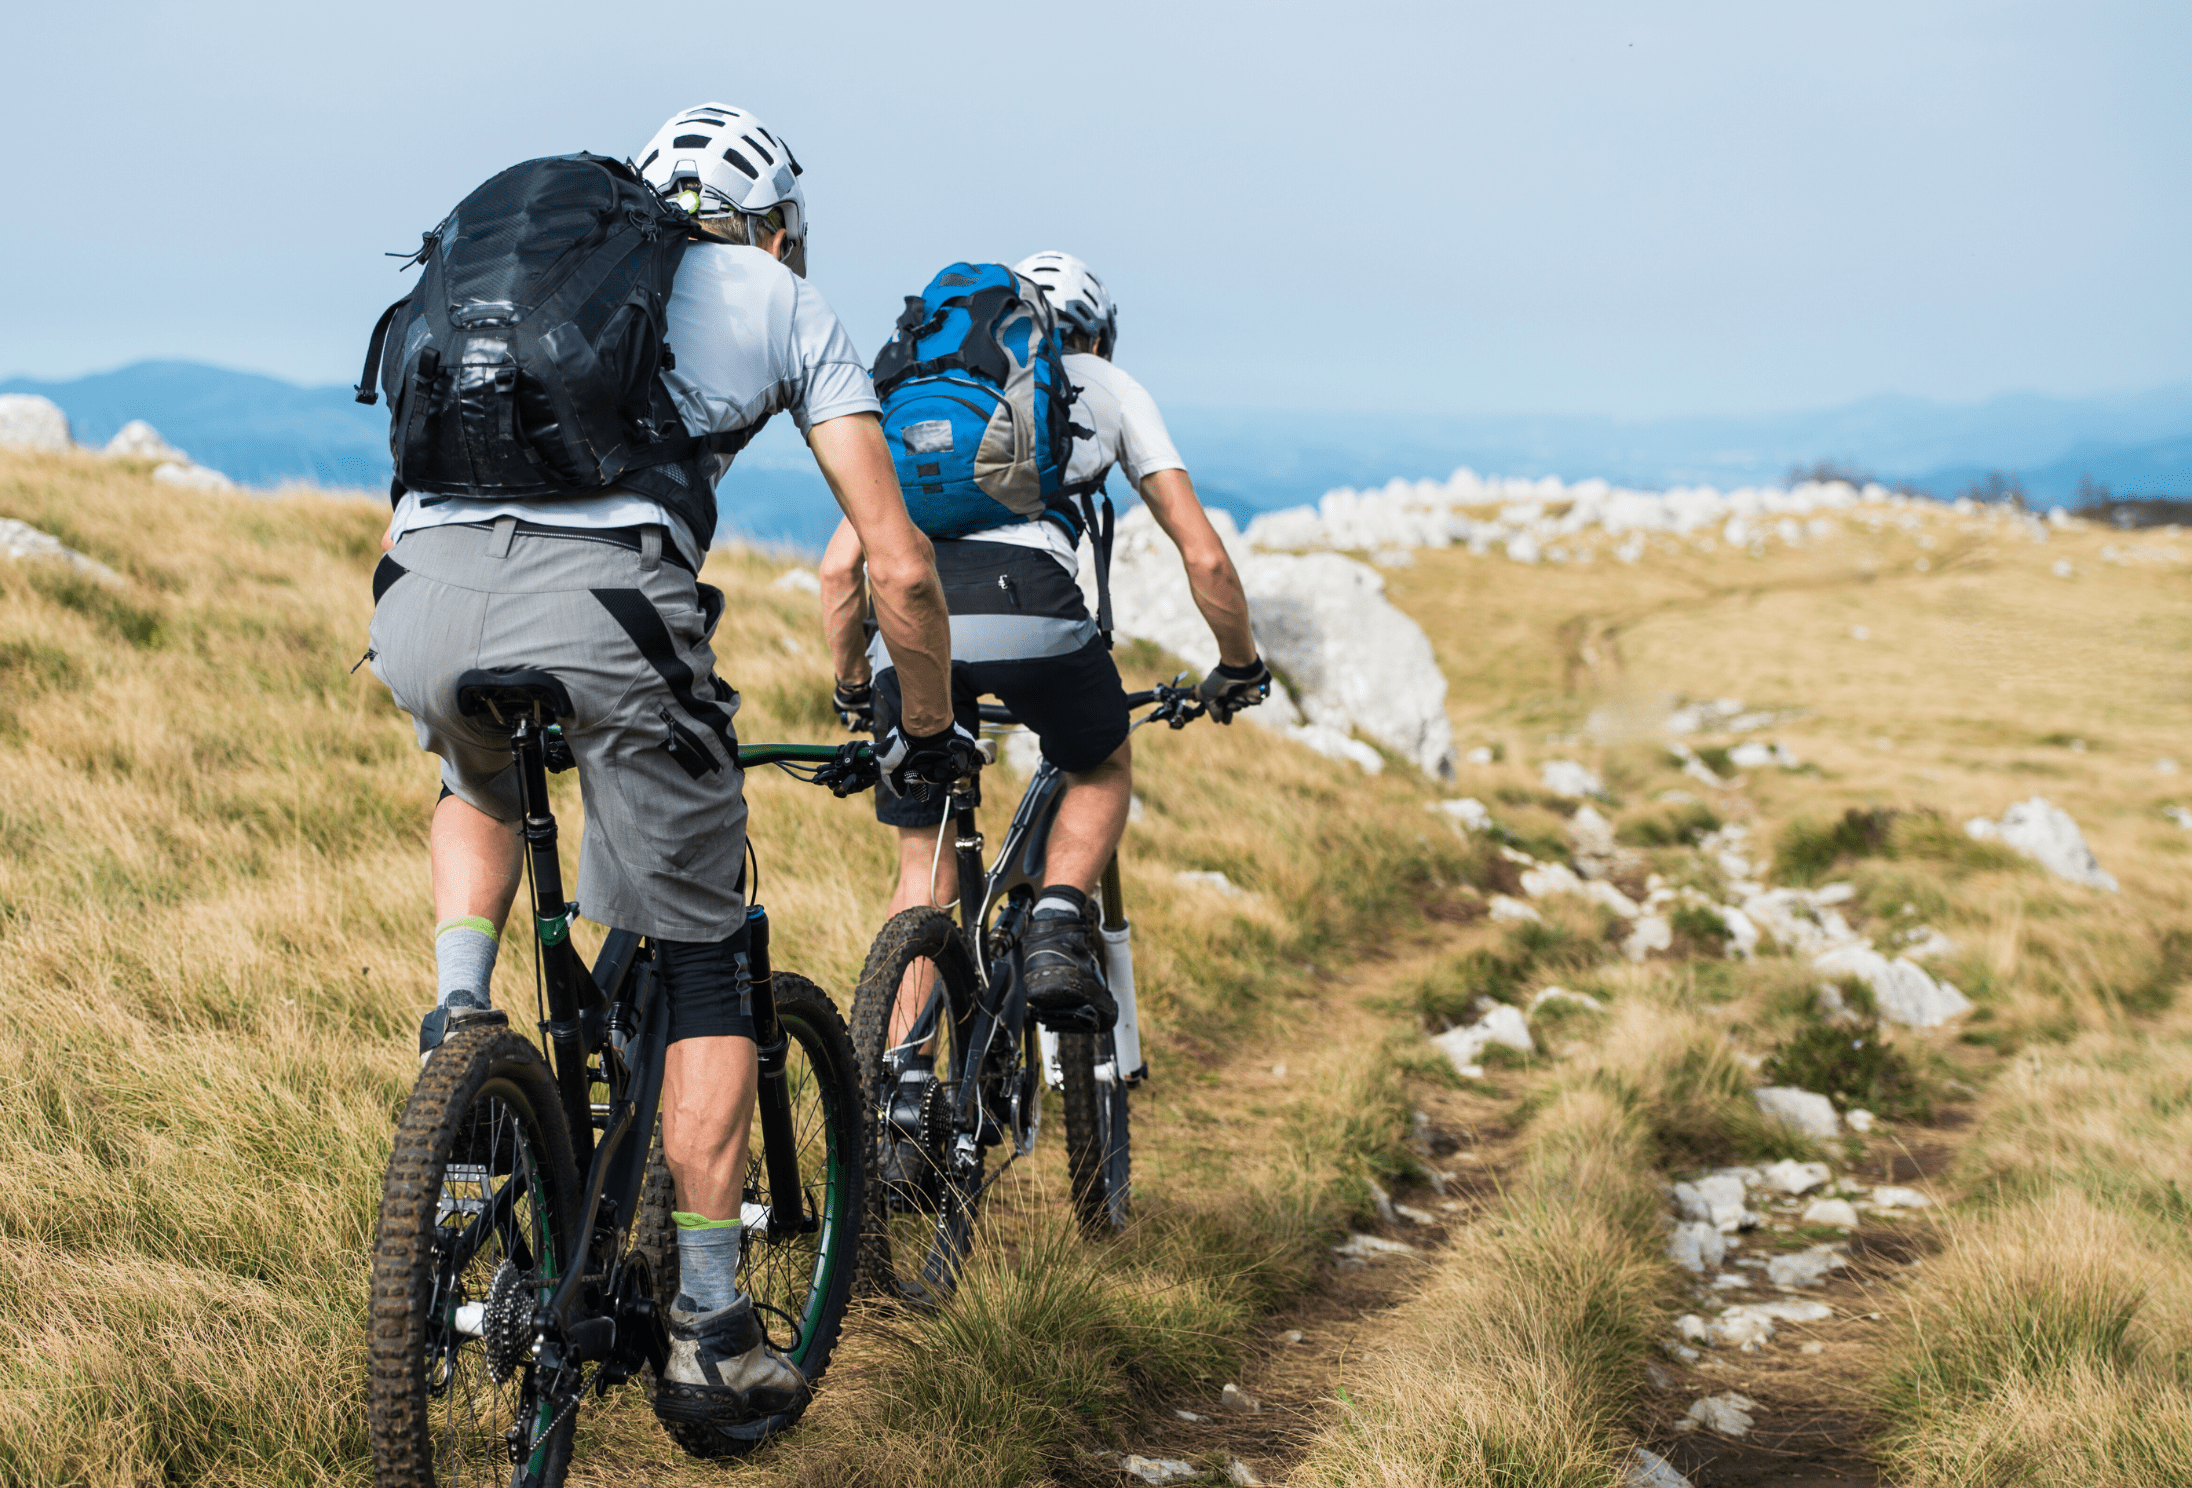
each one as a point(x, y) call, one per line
point(1626, 209)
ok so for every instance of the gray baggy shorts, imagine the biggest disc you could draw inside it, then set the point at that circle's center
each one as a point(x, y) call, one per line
point(665, 837)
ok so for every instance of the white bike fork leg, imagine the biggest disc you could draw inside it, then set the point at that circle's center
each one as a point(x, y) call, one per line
point(1126, 1038)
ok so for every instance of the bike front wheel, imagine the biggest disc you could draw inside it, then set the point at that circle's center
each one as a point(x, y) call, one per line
point(801, 1280)
point(1098, 1151)
point(477, 1209)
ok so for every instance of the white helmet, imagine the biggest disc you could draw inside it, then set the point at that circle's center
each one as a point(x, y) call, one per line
point(1076, 296)
point(714, 159)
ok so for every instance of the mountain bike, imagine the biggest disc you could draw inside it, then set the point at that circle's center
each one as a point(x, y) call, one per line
point(932, 1127)
point(525, 1255)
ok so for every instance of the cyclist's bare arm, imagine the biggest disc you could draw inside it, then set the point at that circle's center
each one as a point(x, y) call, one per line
point(901, 566)
point(1171, 499)
point(845, 604)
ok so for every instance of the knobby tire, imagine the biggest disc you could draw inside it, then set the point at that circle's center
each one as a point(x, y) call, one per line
point(1098, 1154)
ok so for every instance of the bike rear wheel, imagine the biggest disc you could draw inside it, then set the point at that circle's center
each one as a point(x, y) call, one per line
point(1098, 1156)
point(805, 1279)
point(479, 1203)
point(923, 1186)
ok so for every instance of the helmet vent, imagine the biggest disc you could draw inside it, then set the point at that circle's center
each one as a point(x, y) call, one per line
point(692, 142)
point(740, 161)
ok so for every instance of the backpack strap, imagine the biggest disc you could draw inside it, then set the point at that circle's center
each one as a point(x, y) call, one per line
point(1099, 540)
point(365, 390)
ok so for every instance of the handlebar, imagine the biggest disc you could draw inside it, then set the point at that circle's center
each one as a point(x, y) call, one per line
point(1178, 705)
point(846, 769)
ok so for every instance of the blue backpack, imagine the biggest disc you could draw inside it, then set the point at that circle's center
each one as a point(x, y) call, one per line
point(975, 404)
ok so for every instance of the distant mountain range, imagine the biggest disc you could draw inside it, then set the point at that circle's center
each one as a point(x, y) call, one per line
point(263, 431)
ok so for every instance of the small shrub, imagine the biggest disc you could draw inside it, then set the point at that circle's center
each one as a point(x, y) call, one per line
point(1854, 1066)
point(1698, 931)
point(1679, 826)
point(1807, 851)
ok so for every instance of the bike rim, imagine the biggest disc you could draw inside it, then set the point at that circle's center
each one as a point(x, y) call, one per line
point(472, 1410)
point(795, 1275)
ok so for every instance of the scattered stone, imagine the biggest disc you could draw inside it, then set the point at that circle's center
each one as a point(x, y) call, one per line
point(1804, 1111)
point(798, 581)
point(1598, 891)
point(2046, 834)
point(191, 477)
point(1792, 1177)
point(1900, 1198)
point(1803, 1268)
point(1697, 1247)
point(1742, 934)
point(1024, 753)
point(1362, 1247)
point(1500, 1024)
point(1906, 992)
point(1840, 1213)
point(1159, 1469)
point(2179, 815)
point(1691, 1327)
point(1567, 778)
point(1660, 1379)
point(1562, 994)
point(1651, 933)
point(1291, 1335)
point(1239, 1472)
point(1504, 907)
point(138, 440)
point(1730, 1281)
point(2165, 767)
point(20, 541)
point(1238, 1401)
point(1381, 1201)
point(1753, 755)
point(1812, 1346)
point(1415, 1216)
point(1741, 1329)
point(1647, 1469)
point(1192, 1417)
point(1860, 1121)
point(1193, 879)
point(1680, 1352)
point(1728, 1414)
point(28, 421)
point(1550, 878)
point(1717, 1201)
point(1278, 1071)
point(1481, 755)
point(1468, 810)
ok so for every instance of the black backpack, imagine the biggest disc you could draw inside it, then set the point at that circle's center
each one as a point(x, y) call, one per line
point(526, 363)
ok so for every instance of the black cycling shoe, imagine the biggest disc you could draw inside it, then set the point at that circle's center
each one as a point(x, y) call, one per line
point(1066, 991)
point(722, 1372)
point(448, 1018)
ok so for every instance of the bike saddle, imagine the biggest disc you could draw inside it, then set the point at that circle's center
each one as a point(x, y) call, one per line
point(506, 697)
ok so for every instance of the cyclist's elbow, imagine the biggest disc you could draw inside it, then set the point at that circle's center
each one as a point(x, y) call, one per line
point(904, 575)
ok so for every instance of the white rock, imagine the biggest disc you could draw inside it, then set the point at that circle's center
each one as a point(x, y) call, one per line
point(1188, 1415)
point(1480, 755)
point(28, 421)
point(1550, 878)
point(1927, 941)
point(2179, 815)
point(1742, 933)
point(1646, 1468)
point(1364, 1247)
point(1803, 1268)
point(1241, 1474)
point(191, 477)
point(1562, 994)
point(1188, 878)
point(1802, 1110)
point(2046, 834)
point(138, 440)
point(1860, 1121)
point(1652, 933)
point(798, 581)
point(1506, 1025)
point(19, 542)
point(1697, 1247)
point(1900, 1198)
point(1337, 744)
point(2165, 767)
point(1591, 833)
point(1838, 1212)
point(1468, 810)
point(1690, 1326)
point(1598, 891)
point(1791, 1310)
point(1505, 908)
point(1739, 1328)
point(1414, 1215)
point(1717, 1200)
point(1567, 778)
point(1905, 991)
point(1159, 1469)
point(1239, 1401)
point(1792, 1177)
point(1136, 812)
point(1023, 752)
point(1500, 1024)
point(1728, 1414)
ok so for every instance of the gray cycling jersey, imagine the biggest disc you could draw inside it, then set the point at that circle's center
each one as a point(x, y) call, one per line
point(752, 339)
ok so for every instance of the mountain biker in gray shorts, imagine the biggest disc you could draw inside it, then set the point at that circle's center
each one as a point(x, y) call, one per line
point(1021, 630)
point(603, 592)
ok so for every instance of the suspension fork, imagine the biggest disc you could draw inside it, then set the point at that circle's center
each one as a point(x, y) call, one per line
point(561, 968)
point(787, 1200)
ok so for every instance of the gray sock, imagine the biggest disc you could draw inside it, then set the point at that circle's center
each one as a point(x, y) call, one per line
point(707, 1261)
point(464, 961)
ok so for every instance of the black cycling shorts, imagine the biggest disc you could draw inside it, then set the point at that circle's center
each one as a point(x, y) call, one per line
point(709, 997)
point(1075, 704)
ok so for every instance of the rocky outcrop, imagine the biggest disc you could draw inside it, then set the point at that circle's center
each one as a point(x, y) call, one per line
point(191, 477)
point(138, 440)
point(31, 422)
point(2045, 833)
point(19, 542)
point(1361, 666)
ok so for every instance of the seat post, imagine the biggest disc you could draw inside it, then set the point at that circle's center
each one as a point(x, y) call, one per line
point(550, 910)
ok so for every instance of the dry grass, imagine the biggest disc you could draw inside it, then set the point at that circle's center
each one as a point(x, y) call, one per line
point(214, 905)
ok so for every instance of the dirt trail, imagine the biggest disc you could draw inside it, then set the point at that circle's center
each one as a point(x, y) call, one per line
point(1812, 1426)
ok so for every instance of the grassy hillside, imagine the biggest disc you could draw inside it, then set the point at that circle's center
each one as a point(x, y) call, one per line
point(214, 907)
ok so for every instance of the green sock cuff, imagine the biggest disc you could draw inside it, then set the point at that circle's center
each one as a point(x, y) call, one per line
point(696, 1222)
point(484, 926)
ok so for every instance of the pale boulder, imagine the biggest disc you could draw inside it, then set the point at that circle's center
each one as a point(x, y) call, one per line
point(2046, 834)
point(1697, 1246)
point(191, 477)
point(31, 422)
point(1570, 779)
point(1905, 991)
point(1840, 1213)
point(138, 440)
point(21, 542)
point(1791, 1177)
point(1801, 1110)
point(1804, 1268)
